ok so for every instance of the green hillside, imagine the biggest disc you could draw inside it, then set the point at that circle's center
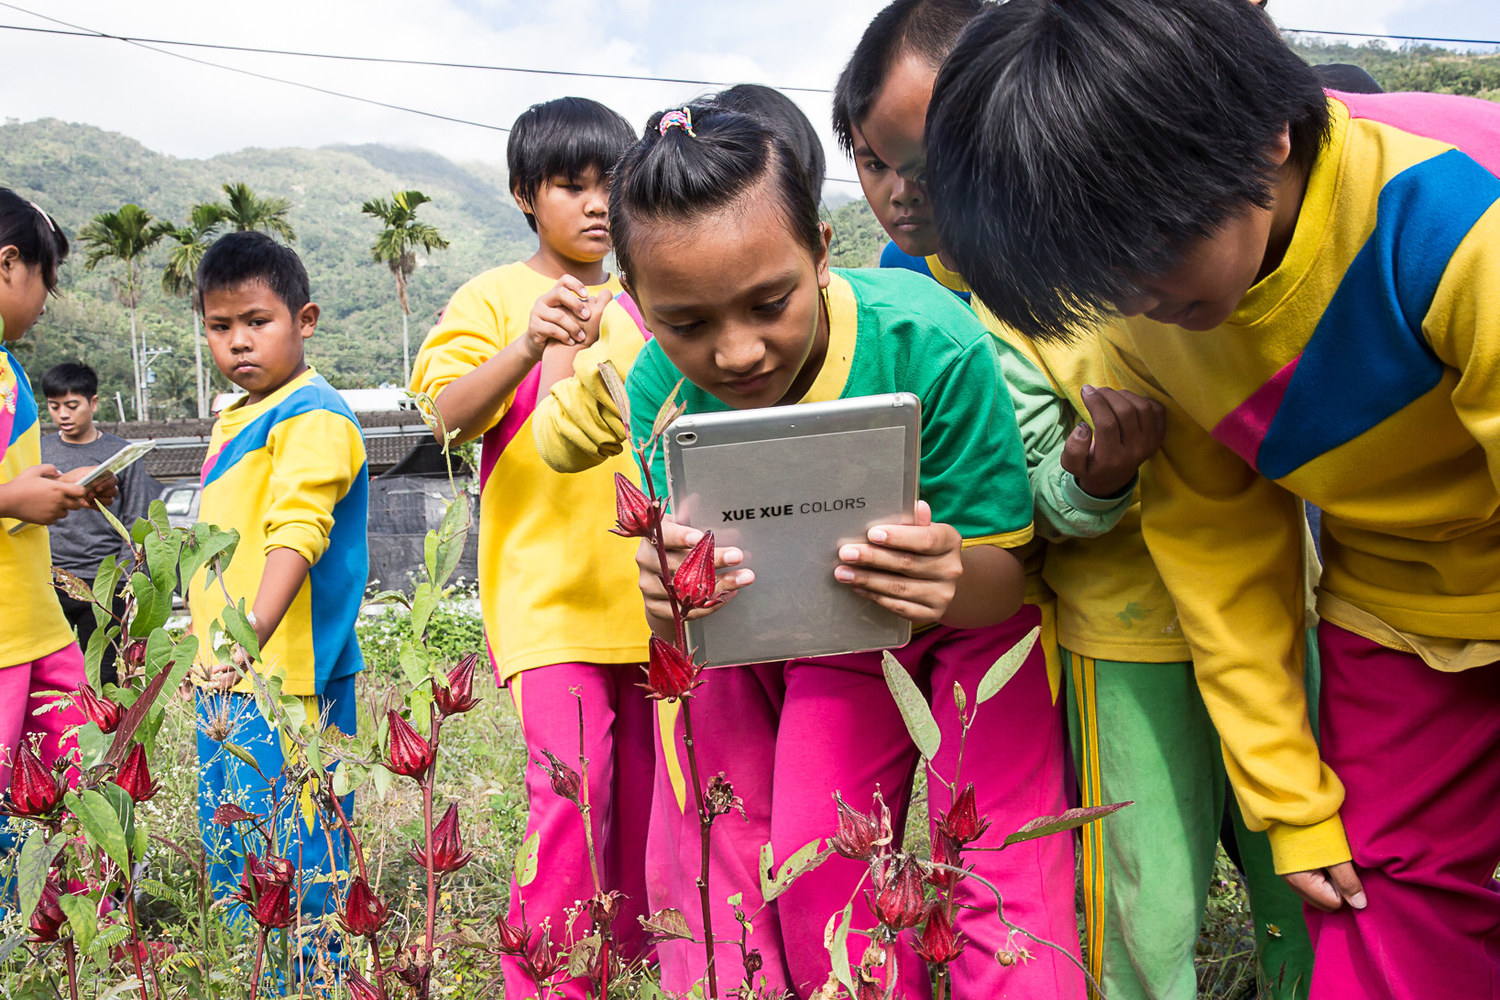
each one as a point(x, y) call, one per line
point(76, 171)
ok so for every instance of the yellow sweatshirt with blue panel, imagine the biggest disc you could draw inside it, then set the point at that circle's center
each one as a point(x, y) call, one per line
point(1361, 375)
point(34, 625)
point(555, 586)
point(289, 472)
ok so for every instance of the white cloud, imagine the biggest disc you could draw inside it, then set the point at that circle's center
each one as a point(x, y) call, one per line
point(189, 110)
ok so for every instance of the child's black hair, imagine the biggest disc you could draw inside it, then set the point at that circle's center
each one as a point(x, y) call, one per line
point(1072, 144)
point(70, 376)
point(236, 258)
point(563, 138)
point(780, 112)
point(679, 177)
point(926, 28)
point(36, 235)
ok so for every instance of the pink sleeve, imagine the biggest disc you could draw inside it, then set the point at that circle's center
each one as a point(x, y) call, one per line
point(1469, 123)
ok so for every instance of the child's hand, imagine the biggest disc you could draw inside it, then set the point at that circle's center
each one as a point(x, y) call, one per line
point(679, 540)
point(909, 569)
point(566, 315)
point(223, 676)
point(105, 490)
point(1127, 430)
point(39, 495)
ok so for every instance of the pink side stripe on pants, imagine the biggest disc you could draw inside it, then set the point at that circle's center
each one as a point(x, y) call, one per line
point(618, 743)
point(1418, 752)
point(59, 671)
point(787, 736)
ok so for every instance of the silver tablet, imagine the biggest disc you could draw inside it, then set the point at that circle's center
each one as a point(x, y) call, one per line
point(788, 485)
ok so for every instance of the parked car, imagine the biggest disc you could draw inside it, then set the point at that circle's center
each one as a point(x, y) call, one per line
point(182, 503)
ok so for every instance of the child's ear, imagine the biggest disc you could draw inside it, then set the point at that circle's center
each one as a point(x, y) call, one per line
point(522, 202)
point(1281, 147)
point(307, 320)
point(9, 257)
point(820, 258)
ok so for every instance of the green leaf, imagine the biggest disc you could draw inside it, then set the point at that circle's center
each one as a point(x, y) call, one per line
point(81, 919)
point(615, 386)
point(106, 583)
point(244, 756)
point(669, 924)
point(37, 855)
point(237, 623)
point(102, 824)
point(157, 512)
point(669, 411)
point(803, 860)
point(960, 701)
point(93, 657)
point(452, 536)
point(381, 777)
point(10, 944)
point(915, 711)
point(526, 860)
point(1005, 668)
point(1044, 826)
point(581, 958)
point(203, 544)
point(152, 606)
point(162, 552)
point(92, 745)
point(424, 602)
point(836, 940)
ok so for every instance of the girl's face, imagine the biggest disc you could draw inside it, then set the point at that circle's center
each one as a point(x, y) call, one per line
point(735, 300)
point(23, 293)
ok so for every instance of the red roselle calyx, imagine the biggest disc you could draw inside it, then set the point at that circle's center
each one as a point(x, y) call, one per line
point(565, 780)
point(34, 790)
point(513, 940)
point(897, 901)
point(694, 582)
point(100, 711)
point(635, 515)
point(448, 854)
point(945, 857)
point(135, 776)
point(940, 943)
point(410, 754)
point(364, 914)
point(360, 988)
point(962, 822)
point(133, 656)
point(458, 697)
point(47, 919)
point(860, 835)
point(266, 888)
point(671, 674)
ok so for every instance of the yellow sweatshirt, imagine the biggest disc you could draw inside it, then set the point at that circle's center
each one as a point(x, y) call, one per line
point(555, 586)
point(1360, 374)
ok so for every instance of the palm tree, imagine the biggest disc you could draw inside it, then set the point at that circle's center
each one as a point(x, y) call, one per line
point(189, 243)
point(124, 236)
point(396, 246)
point(245, 210)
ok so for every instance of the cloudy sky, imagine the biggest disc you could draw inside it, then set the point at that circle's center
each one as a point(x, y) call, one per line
point(194, 110)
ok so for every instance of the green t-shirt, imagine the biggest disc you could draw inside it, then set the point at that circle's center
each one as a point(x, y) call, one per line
point(897, 331)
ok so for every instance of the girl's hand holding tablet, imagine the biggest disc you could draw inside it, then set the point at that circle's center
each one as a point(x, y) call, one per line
point(909, 569)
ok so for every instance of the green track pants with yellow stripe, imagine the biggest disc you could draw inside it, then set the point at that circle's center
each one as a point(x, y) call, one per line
point(1141, 733)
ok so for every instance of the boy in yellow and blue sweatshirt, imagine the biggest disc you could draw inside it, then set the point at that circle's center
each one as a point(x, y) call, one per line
point(1310, 286)
point(286, 469)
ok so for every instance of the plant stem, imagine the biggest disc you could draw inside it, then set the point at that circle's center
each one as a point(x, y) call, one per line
point(364, 873)
point(705, 823)
point(434, 724)
point(136, 947)
point(260, 954)
point(583, 802)
point(71, 958)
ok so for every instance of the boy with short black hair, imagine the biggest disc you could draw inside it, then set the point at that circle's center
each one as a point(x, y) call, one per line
point(286, 469)
point(81, 542)
point(557, 592)
point(1138, 726)
point(1311, 287)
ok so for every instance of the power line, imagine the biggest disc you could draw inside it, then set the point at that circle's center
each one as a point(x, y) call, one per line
point(387, 60)
point(150, 44)
point(88, 33)
point(1403, 38)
